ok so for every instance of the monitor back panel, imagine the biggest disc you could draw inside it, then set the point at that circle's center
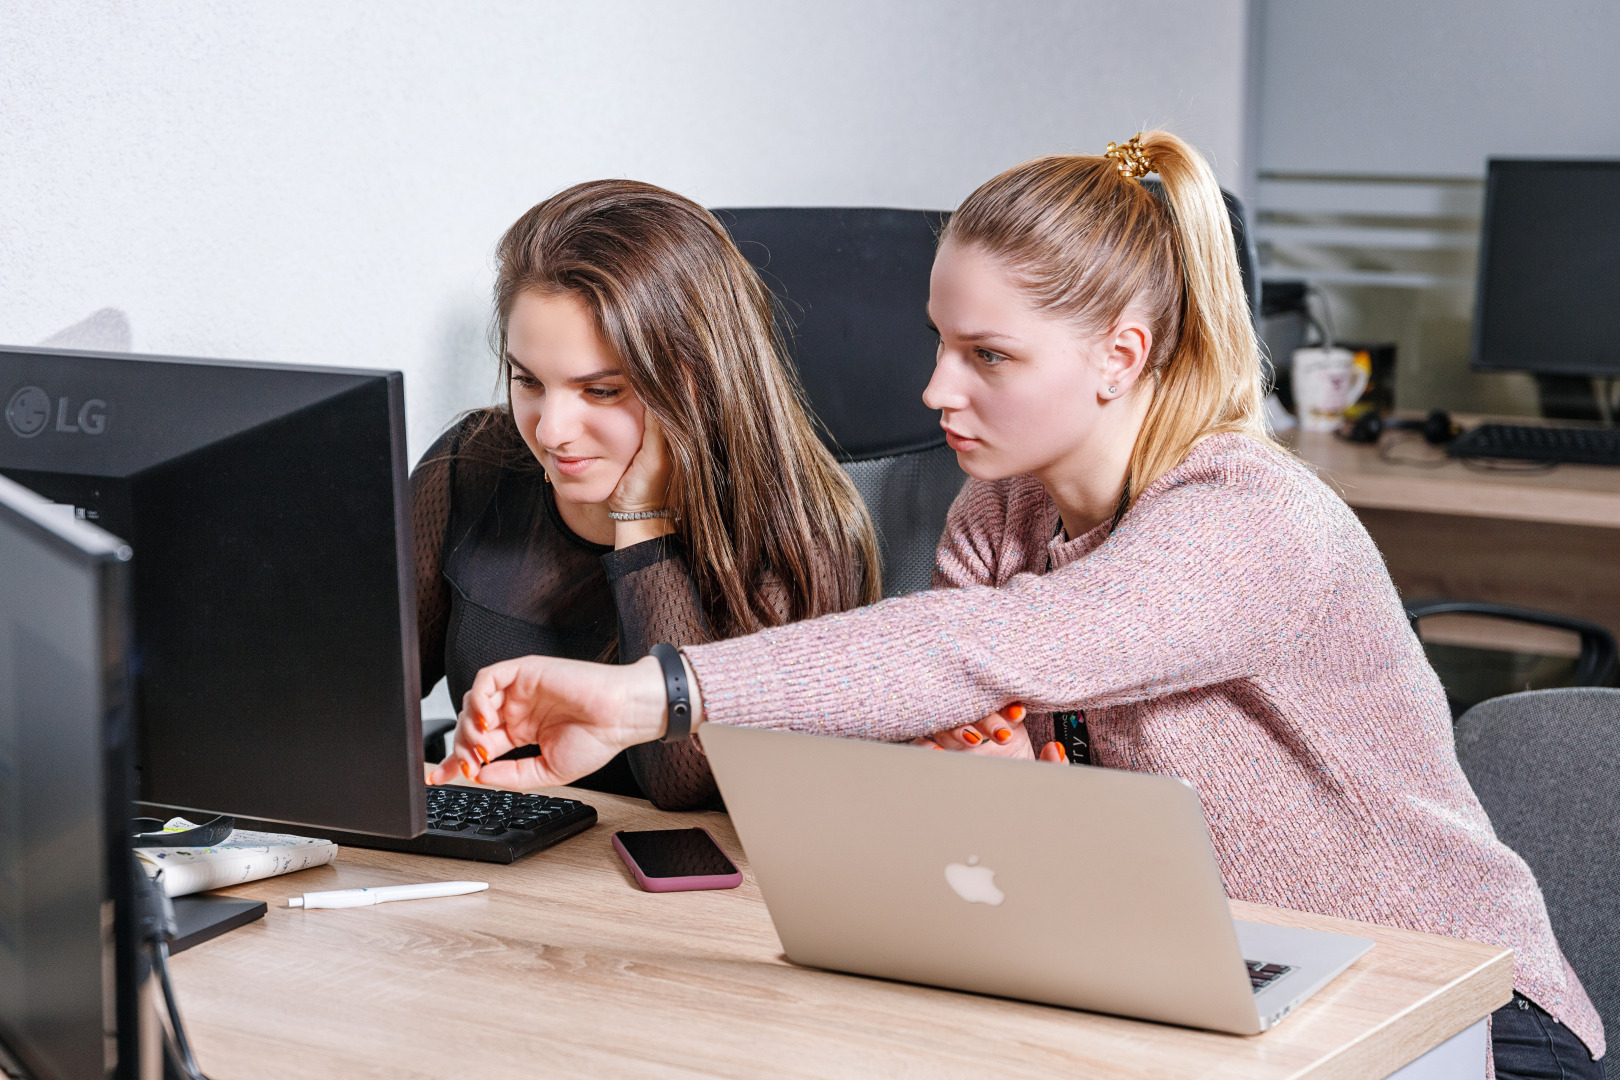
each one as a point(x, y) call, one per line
point(275, 626)
point(66, 951)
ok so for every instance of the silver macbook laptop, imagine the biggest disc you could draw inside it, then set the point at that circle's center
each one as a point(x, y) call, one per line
point(1089, 888)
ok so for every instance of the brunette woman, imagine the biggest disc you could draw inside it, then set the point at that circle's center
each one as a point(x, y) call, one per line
point(652, 477)
point(1133, 551)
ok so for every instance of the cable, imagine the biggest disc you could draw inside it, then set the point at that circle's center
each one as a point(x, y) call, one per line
point(1508, 465)
point(181, 1047)
point(1324, 325)
point(1387, 445)
point(155, 928)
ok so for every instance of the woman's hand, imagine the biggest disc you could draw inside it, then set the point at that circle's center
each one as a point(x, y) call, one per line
point(1001, 734)
point(579, 714)
point(644, 487)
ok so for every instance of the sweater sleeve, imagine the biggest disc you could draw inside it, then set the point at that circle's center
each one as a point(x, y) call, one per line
point(1218, 574)
point(658, 602)
point(968, 556)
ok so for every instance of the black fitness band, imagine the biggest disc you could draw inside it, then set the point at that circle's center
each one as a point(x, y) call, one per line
point(680, 704)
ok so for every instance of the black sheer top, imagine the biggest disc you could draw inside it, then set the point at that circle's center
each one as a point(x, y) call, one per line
point(499, 575)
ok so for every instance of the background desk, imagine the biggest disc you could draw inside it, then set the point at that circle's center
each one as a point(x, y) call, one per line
point(1544, 540)
point(566, 969)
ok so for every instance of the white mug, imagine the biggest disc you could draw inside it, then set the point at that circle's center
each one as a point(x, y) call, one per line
point(1326, 382)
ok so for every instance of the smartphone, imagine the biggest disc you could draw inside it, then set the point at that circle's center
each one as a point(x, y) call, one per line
point(676, 860)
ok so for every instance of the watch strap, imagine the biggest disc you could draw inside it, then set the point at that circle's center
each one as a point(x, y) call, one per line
point(676, 691)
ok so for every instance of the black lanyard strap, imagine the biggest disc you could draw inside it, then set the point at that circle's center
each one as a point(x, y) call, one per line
point(1070, 729)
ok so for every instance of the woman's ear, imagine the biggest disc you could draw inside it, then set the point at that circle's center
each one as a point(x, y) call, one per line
point(1128, 348)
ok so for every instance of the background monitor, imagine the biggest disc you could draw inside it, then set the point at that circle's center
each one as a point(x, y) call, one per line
point(1549, 268)
point(275, 658)
point(64, 796)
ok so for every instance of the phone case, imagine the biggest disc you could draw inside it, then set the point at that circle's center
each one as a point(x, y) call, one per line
point(679, 884)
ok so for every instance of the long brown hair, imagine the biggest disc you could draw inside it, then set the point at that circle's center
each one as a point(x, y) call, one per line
point(756, 496)
point(1087, 243)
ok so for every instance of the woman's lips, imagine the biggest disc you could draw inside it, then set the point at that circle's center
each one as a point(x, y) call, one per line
point(959, 443)
point(572, 466)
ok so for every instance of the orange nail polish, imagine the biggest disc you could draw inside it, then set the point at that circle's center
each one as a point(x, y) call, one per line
point(1014, 712)
point(483, 724)
point(1003, 734)
point(466, 770)
point(483, 755)
point(971, 737)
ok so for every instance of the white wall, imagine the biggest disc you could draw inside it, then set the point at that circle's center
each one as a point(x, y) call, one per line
point(1432, 88)
point(324, 182)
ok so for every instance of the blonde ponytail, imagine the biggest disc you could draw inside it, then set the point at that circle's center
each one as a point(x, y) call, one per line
point(1211, 381)
point(1087, 241)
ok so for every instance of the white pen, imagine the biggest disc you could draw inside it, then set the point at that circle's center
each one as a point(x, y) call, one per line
point(385, 893)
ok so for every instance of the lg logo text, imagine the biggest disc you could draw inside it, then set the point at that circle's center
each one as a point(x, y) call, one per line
point(29, 413)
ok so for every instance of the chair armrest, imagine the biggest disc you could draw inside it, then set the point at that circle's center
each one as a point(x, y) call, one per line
point(1593, 667)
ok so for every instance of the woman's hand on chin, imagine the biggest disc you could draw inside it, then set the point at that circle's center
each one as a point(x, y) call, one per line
point(1001, 734)
point(644, 487)
point(579, 714)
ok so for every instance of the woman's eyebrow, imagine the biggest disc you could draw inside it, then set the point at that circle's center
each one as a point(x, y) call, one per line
point(976, 335)
point(595, 376)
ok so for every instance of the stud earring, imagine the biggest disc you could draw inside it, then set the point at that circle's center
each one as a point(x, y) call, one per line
point(1112, 390)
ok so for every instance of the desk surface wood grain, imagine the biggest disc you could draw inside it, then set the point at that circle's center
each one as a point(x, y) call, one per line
point(564, 968)
point(1411, 475)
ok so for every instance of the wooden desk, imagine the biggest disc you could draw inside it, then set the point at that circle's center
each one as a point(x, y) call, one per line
point(1545, 540)
point(564, 968)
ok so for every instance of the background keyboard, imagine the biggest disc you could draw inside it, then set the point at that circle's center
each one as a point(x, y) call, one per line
point(1576, 446)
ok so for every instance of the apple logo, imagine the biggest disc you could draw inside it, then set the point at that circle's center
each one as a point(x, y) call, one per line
point(974, 883)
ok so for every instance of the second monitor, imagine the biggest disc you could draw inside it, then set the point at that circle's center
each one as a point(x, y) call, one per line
point(268, 507)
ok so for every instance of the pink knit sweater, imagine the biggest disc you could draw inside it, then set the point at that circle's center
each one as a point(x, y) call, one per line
point(1238, 630)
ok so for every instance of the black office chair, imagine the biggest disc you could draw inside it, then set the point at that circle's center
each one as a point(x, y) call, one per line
point(1472, 673)
point(851, 287)
point(1543, 764)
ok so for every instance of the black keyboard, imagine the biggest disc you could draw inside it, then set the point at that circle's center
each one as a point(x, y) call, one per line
point(486, 824)
point(1263, 975)
point(1521, 442)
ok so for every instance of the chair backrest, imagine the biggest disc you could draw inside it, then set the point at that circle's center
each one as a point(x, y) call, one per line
point(1544, 765)
point(851, 288)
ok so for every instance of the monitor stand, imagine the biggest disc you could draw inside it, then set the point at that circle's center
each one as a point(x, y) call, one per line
point(201, 916)
point(1569, 397)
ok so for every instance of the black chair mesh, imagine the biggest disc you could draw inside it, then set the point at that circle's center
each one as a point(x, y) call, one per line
point(1544, 764)
point(908, 495)
point(850, 289)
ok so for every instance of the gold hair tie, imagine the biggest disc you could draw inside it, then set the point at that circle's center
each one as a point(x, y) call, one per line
point(1131, 160)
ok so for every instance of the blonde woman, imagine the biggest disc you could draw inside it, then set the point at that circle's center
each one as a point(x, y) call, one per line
point(653, 477)
point(1134, 561)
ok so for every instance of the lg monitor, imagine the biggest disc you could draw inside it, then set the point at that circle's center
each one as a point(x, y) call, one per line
point(274, 644)
point(1549, 268)
point(67, 949)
